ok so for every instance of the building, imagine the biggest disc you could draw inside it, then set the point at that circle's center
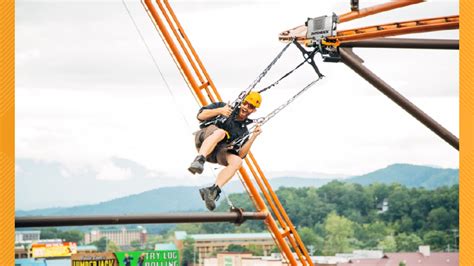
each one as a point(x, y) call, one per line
point(22, 237)
point(121, 237)
point(42, 262)
point(383, 206)
point(23, 252)
point(207, 245)
point(243, 259)
point(421, 258)
point(87, 249)
point(358, 257)
point(408, 258)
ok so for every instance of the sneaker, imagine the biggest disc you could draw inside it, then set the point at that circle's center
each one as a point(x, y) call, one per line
point(209, 195)
point(197, 166)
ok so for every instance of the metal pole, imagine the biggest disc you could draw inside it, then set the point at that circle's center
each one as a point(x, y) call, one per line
point(359, 13)
point(405, 43)
point(351, 61)
point(46, 221)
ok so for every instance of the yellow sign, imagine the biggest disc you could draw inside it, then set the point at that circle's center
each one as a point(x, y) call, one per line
point(49, 250)
point(94, 259)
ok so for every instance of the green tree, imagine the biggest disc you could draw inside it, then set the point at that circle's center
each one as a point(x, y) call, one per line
point(256, 250)
point(112, 247)
point(439, 219)
point(310, 238)
point(189, 228)
point(237, 248)
point(436, 239)
point(68, 236)
point(152, 240)
point(296, 201)
point(188, 253)
point(405, 224)
point(136, 245)
point(72, 236)
point(399, 203)
point(388, 244)
point(101, 244)
point(371, 234)
point(408, 242)
point(411, 211)
point(49, 233)
point(379, 192)
point(339, 231)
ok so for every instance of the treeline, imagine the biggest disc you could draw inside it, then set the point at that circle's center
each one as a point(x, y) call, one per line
point(340, 217)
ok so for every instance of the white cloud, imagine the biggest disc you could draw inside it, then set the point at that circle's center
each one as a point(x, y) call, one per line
point(109, 171)
point(87, 90)
point(65, 173)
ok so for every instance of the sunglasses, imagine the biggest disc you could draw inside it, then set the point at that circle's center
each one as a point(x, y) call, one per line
point(249, 105)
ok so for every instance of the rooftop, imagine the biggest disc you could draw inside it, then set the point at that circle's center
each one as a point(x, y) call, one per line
point(181, 235)
point(409, 258)
point(86, 247)
point(165, 246)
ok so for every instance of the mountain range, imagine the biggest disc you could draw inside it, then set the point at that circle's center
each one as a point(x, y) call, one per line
point(186, 198)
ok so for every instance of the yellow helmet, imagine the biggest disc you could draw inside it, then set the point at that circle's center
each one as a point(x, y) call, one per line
point(254, 98)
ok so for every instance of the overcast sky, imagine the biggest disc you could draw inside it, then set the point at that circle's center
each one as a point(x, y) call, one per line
point(87, 89)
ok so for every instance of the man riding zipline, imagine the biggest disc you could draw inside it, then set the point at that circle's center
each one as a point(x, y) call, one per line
point(224, 139)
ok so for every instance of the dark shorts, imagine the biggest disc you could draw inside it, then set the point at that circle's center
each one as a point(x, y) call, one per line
point(220, 152)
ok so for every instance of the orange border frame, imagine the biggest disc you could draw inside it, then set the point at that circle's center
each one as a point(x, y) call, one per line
point(7, 133)
point(466, 117)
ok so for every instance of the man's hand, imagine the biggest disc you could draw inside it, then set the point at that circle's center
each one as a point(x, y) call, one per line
point(245, 149)
point(225, 111)
point(257, 131)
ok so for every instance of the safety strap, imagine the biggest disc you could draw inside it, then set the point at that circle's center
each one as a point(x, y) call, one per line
point(239, 141)
point(288, 73)
point(309, 58)
point(236, 103)
point(242, 95)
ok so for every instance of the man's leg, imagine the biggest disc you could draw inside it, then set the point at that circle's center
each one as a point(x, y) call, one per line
point(211, 139)
point(210, 142)
point(234, 164)
point(211, 194)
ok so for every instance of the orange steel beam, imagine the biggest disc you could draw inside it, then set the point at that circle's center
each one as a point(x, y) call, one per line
point(198, 80)
point(210, 83)
point(376, 9)
point(280, 207)
point(398, 28)
point(175, 52)
point(269, 221)
point(377, 31)
point(277, 210)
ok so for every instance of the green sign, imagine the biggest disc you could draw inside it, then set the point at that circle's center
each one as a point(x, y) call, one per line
point(148, 258)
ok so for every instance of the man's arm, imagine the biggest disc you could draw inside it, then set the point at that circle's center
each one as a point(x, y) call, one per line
point(246, 147)
point(213, 110)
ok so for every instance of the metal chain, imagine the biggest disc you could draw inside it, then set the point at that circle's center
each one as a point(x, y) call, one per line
point(259, 78)
point(239, 141)
point(236, 103)
point(229, 202)
point(281, 107)
point(288, 73)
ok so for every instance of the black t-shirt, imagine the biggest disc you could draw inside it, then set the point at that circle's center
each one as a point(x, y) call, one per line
point(235, 128)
